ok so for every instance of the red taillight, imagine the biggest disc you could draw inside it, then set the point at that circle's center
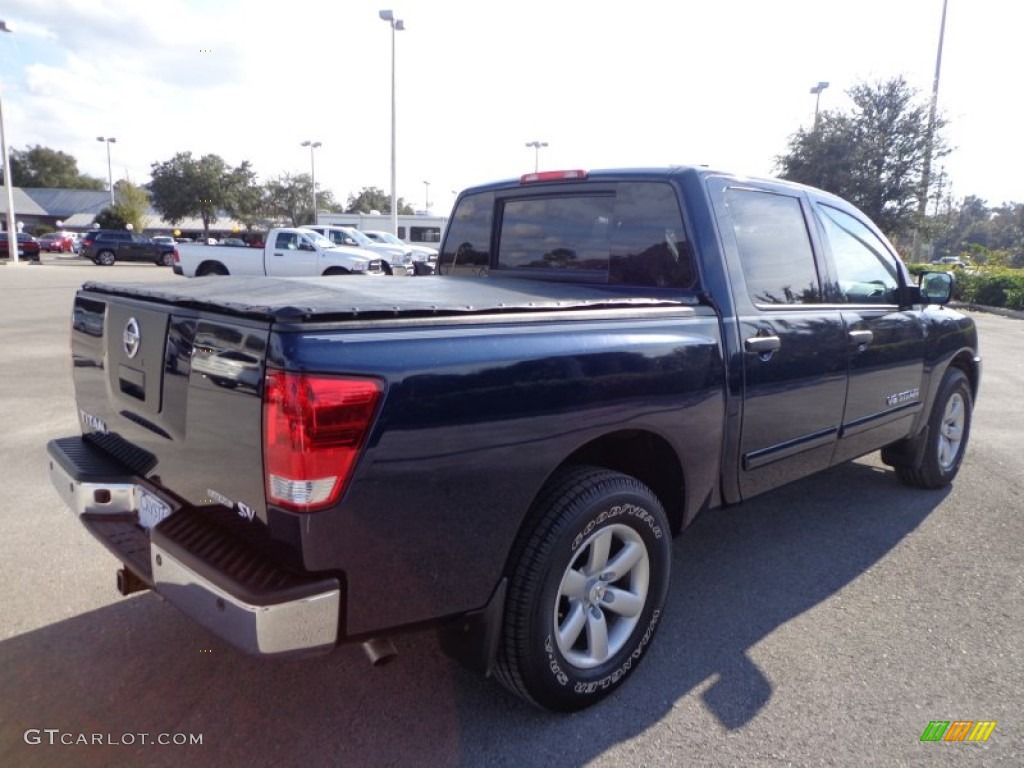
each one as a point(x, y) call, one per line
point(313, 430)
point(533, 178)
point(177, 257)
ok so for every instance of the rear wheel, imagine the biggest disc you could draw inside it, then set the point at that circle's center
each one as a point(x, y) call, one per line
point(949, 427)
point(105, 258)
point(167, 259)
point(386, 267)
point(588, 579)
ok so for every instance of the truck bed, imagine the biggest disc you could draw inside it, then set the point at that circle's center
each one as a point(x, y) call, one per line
point(320, 299)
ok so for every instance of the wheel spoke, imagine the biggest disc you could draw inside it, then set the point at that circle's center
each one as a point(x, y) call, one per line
point(600, 545)
point(597, 634)
point(574, 585)
point(954, 411)
point(623, 562)
point(569, 630)
point(622, 602)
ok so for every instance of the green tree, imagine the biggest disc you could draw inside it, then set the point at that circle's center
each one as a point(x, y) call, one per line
point(205, 188)
point(130, 206)
point(872, 156)
point(40, 166)
point(374, 199)
point(247, 199)
point(290, 198)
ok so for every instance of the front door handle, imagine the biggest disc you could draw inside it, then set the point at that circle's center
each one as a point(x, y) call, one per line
point(861, 338)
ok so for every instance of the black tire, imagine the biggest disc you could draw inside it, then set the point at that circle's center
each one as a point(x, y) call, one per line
point(551, 652)
point(166, 259)
point(215, 269)
point(336, 271)
point(386, 266)
point(949, 427)
point(105, 258)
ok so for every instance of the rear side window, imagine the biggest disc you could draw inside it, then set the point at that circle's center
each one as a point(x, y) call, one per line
point(627, 233)
point(774, 247)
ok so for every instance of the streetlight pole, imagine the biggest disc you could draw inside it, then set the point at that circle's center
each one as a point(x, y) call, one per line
point(312, 173)
point(397, 25)
point(426, 196)
point(110, 171)
point(816, 92)
point(926, 169)
point(12, 229)
point(536, 152)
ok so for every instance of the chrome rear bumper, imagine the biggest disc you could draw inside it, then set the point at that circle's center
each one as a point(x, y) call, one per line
point(235, 591)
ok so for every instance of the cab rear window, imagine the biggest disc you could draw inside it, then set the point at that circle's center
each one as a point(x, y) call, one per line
point(625, 233)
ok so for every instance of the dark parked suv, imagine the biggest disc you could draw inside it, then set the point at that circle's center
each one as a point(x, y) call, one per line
point(106, 246)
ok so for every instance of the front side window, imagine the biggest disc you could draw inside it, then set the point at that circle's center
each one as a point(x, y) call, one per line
point(774, 247)
point(865, 269)
point(286, 241)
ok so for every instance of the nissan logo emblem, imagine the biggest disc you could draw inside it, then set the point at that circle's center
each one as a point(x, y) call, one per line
point(132, 337)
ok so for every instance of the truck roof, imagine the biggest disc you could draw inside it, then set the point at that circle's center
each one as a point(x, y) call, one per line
point(356, 297)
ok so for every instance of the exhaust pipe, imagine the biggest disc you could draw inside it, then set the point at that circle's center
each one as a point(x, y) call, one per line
point(128, 582)
point(380, 651)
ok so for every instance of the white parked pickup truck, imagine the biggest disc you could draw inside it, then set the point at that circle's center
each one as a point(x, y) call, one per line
point(289, 252)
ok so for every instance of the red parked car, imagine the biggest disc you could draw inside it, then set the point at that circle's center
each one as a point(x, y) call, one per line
point(28, 247)
point(57, 242)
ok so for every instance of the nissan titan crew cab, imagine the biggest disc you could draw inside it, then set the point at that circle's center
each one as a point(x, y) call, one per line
point(504, 450)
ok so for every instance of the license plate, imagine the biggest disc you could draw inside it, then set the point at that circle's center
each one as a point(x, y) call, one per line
point(151, 508)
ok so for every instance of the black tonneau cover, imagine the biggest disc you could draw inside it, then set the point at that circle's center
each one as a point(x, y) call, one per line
point(351, 297)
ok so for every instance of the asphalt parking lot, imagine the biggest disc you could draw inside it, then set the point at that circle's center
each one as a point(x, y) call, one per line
point(826, 623)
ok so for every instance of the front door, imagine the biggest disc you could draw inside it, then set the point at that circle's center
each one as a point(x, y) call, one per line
point(886, 344)
point(286, 257)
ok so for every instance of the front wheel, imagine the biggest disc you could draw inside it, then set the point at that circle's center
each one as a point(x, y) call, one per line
point(588, 579)
point(336, 271)
point(949, 427)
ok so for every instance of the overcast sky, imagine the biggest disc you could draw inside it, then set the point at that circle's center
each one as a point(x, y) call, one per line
point(605, 84)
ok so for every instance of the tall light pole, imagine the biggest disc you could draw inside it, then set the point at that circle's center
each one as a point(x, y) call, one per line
point(816, 92)
point(12, 230)
point(536, 152)
point(397, 25)
point(426, 196)
point(926, 169)
point(110, 172)
point(312, 173)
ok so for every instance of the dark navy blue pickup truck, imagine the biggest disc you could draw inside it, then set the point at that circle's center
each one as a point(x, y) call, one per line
point(504, 450)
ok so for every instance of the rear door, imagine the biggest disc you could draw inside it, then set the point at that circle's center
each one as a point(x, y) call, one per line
point(794, 348)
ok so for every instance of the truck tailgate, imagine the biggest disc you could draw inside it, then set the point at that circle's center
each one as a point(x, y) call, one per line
point(174, 395)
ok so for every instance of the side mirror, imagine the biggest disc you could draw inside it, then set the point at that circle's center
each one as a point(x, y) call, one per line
point(936, 287)
point(306, 246)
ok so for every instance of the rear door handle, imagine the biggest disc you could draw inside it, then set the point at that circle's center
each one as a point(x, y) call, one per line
point(763, 345)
